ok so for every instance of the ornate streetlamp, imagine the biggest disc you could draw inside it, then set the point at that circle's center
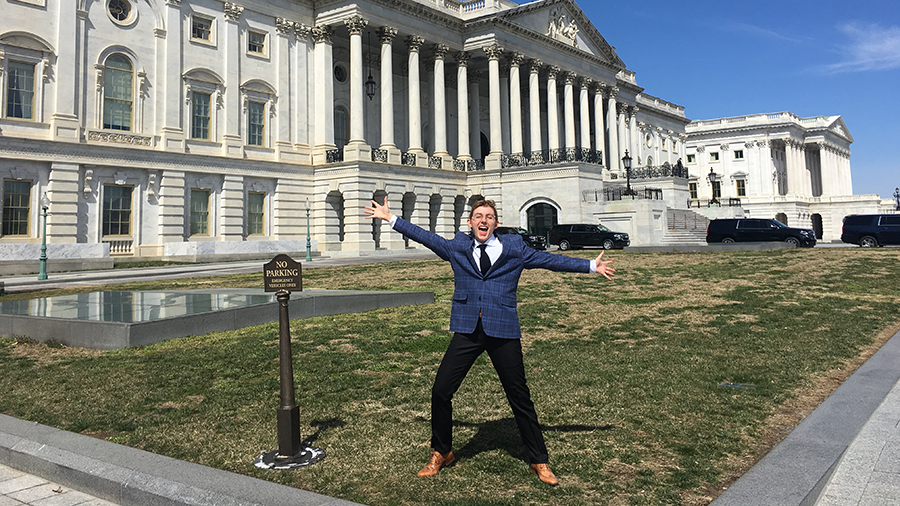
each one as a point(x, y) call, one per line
point(897, 197)
point(308, 243)
point(626, 162)
point(45, 204)
point(713, 177)
point(370, 83)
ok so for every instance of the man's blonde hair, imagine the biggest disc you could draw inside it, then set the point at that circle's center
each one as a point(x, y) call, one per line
point(483, 203)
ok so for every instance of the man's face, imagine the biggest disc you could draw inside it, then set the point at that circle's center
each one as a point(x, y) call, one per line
point(483, 223)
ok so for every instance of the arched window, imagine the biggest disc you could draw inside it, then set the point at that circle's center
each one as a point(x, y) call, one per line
point(341, 127)
point(541, 217)
point(781, 217)
point(118, 93)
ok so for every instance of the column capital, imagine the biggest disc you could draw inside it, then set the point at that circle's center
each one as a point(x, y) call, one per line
point(634, 110)
point(440, 50)
point(462, 58)
point(473, 77)
point(356, 24)
point(536, 65)
point(493, 51)
point(233, 11)
point(570, 77)
point(552, 71)
point(301, 31)
point(175, 3)
point(387, 34)
point(284, 26)
point(322, 34)
point(586, 83)
point(414, 42)
point(515, 58)
point(612, 91)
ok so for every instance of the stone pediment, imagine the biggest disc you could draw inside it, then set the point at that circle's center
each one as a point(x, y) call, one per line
point(25, 41)
point(840, 128)
point(564, 22)
point(203, 75)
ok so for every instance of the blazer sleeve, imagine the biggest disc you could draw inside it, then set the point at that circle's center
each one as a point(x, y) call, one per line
point(440, 246)
point(535, 259)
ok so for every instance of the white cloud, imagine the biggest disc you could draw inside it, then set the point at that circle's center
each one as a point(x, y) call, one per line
point(871, 47)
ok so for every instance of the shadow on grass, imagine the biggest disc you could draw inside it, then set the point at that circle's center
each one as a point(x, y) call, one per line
point(323, 425)
point(504, 435)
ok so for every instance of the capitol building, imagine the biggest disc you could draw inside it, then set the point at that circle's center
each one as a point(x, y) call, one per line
point(201, 129)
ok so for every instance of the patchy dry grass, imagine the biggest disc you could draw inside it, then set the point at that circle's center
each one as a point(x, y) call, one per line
point(625, 377)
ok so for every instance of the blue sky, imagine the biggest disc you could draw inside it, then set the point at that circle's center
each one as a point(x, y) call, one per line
point(812, 58)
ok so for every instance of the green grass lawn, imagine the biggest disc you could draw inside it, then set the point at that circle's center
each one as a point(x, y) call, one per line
point(625, 376)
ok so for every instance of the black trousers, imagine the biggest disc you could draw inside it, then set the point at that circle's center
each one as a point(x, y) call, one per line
point(506, 355)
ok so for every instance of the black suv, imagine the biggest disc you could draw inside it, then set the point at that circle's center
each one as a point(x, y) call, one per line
point(533, 240)
point(758, 230)
point(871, 230)
point(581, 235)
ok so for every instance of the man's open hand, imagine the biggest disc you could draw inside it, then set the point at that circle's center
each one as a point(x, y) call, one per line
point(378, 211)
point(603, 268)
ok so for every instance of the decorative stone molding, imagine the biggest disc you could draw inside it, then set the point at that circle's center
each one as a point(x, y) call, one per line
point(100, 82)
point(701, 149)
point(386, 34)
point(493, 52)
point(552, 71)
point(724, 147)
point(233, 11)
point(515, 58)
point(301, 31)
point(440, 50)
point(462, 58)
point(152, 180)
point(284, 26)
point(570, 77)
point(356, 24)
point(86, 186)
point(414, 42)
point(536, 65)
point(586, 83)
point(612, 91)
point(175, 3)
point(118, 138)
point(45, 69)
point(322, 34)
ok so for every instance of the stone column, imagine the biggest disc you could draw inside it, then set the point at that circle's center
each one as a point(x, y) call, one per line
point(289, 209)
point(282, 144)
point(172, 135)
point(504, 105)
point(493, 53)
point(357, 229)
point(636, 136)
point(63, 192)
point(515, 105)
point(615, 161)
point(584, 119)
point(171, 201)
point(232, 143)
point(440, 102)
point(300, 72)
point(462, 101)
point(356, 148)
point(552, 114)
point(414, 42)
point(599, 128)
point(474, 115)
point(534, 109)
point(387, 34)
point(569, 104)
point(231, 209)
point(324, 93)
point(64, 122)
point(445, 217)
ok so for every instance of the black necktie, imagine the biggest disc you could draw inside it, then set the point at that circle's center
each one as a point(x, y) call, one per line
point(485, 259)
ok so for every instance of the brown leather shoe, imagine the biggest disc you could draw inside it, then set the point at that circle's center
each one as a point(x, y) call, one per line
point(544, 474)
point(436, 462)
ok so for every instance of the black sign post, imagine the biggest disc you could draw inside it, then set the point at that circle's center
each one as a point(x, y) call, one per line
point(282, 275)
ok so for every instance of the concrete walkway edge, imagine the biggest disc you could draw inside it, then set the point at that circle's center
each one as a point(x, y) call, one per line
point(133, 477)
point(797, 470)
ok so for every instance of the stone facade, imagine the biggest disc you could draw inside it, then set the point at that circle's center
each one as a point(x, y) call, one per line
point(202, 128)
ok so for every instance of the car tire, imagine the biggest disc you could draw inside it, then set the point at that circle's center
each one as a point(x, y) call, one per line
point(728, 240)
point(868, 242)
point(793, 241)
point(564, 245)
point(608, 244)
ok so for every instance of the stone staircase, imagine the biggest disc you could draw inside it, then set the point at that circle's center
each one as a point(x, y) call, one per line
point(684, 226)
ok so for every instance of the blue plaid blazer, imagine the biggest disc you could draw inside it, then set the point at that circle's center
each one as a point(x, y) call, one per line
point(492, 296)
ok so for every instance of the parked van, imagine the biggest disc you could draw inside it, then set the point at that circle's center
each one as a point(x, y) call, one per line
point(758, 230)
point(581, 235)
point(871, 230)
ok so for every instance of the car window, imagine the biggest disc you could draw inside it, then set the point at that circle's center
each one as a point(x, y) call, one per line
point(777, 224)
point(602, 228)
point(890, 220)
point(755, 224)
point(579, 228)
point(521, 231)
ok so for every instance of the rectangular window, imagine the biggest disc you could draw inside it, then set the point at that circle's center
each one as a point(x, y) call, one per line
point(117, 99)
point(717, 189)
point(199, 212)
point(16, 207)
point(256, 123)
point(117, 210)
point(691, 158)
point(256, 214)
point(714, 157)
point(201, 28)
point(20, 91)
point(200, 115)
point(740, 187)
point(256, 42)
point(739, 154)
point(693, 189)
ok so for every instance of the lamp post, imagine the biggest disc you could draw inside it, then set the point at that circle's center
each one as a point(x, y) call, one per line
point(712, 186)
point(308, 243)
point(626, 162)
point(45, 204)
point(897, 197)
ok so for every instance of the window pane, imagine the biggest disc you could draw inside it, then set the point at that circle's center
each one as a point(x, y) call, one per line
point(200, 116)
point(117, 93)
point(20, 91)
point(256, 122)
point(256, 213)
point(199, 212)
point(257, 42)
point(16, 207)
point(116, 210)
point(201, 28)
